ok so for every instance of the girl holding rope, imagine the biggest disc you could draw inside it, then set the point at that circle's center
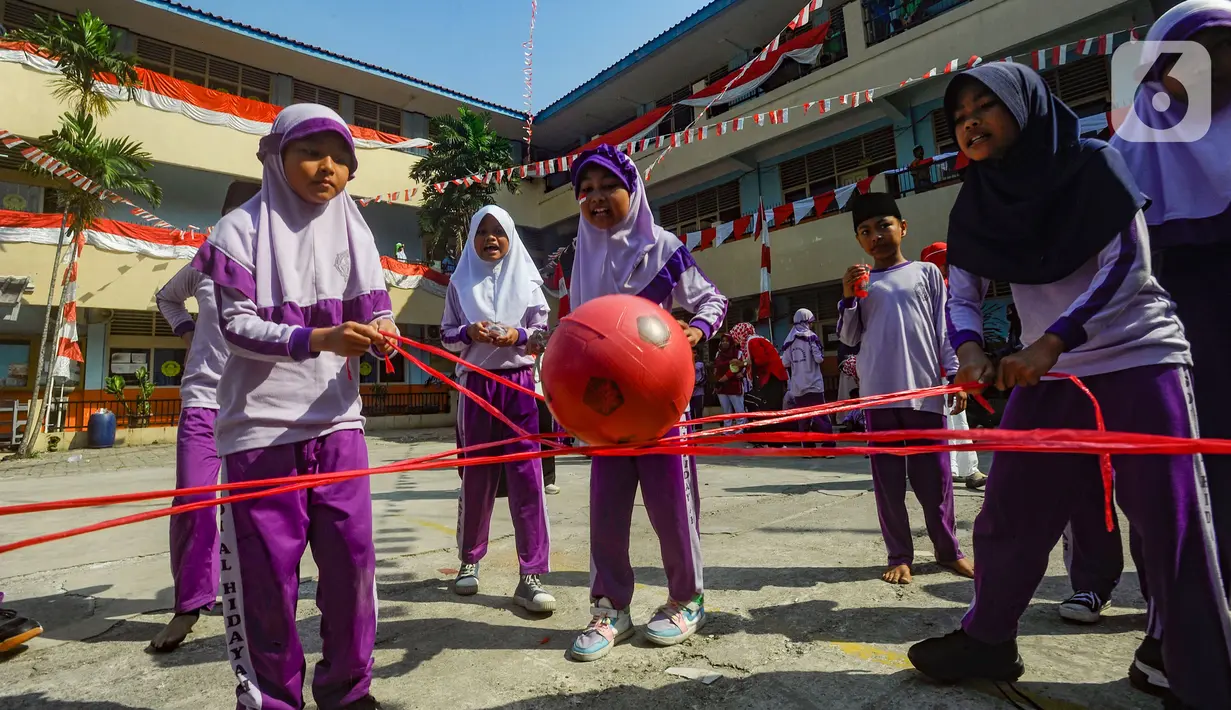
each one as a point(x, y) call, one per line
point(1060, 218)
point(621, 250)
point(494, 305)
point(301, 296)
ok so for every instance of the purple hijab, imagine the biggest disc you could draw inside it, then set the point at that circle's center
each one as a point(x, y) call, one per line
point(300, 263)
point(1185, 181)
point(624, 259)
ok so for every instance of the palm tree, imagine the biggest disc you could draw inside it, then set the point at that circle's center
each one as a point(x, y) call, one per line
point(465, 145)
point(84, 49)
point(118, 165)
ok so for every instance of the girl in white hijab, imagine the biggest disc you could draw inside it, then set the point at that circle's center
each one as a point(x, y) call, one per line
point(494, 303)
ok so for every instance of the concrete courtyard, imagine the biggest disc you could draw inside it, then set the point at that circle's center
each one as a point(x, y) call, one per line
point(799, 616)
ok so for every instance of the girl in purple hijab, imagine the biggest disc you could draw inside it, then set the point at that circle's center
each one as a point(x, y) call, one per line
point(300, 296)
point(1189, 218)
point(621, 250)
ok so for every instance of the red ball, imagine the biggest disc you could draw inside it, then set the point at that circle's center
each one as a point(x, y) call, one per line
point(618, 370)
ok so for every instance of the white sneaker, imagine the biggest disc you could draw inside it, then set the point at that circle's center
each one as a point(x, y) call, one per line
point(608, 627)
point(551, 489)
point(467, 582)
point(531, 595)
point(1083, 607)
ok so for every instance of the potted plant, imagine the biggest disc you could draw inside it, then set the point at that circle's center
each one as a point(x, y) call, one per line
point(138, 412)
point(379, 403)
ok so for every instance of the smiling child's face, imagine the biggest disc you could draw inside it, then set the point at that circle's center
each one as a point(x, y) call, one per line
point(317, 167)
point(982, 124)
point(490, 241)
point(605, 201)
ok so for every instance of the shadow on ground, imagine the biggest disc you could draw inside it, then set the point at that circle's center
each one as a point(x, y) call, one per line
point(31, 701)
point(841, 689)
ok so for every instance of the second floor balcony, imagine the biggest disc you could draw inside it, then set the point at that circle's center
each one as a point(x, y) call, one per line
point(883, 19)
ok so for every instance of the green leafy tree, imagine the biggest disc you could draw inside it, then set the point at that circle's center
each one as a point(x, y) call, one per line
point(465, 145)
point(84, 50)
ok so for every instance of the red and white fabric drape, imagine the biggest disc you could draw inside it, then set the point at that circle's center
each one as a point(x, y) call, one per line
point(67, 348)
point(743, 82)
point(765, 310)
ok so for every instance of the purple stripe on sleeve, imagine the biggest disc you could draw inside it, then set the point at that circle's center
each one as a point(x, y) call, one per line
point(224, 271)
point(1071, 328)
point(658, 290)
point(329, 312)
point(706, 331)
point(456, 336)
point(958, 338)
point(186, 327)
point(301, 344)
point(260, 347)
point(522, 336)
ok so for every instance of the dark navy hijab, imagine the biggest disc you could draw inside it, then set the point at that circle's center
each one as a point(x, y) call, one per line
point(1052, 203)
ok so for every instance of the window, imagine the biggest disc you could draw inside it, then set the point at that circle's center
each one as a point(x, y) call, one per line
point(147, 323)
point(942, 132)
point(305, 93)
point(678, 118)
point(126, 361)
point(169, 366)
point(20, 15)
point(701, 210)
point(14, 364)
point(832, 167)
point(372, 370)
point(204, 69)
point(385, 119)
point(16, 197)
point(1084, 84)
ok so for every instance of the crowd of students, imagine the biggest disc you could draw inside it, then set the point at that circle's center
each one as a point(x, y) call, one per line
point(291, 294)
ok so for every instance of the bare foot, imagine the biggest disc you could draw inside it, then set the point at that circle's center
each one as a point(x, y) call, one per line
point(897, 574)
point(174, 633)
point(963, 567)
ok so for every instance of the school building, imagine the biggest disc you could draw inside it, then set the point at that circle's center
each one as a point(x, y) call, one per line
point(211, 85)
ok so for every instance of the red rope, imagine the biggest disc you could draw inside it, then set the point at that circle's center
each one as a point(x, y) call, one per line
point(457, 360)
point(1100, 442)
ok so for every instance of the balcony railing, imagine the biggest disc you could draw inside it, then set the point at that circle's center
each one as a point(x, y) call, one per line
point(923, 179)
point(883, 19)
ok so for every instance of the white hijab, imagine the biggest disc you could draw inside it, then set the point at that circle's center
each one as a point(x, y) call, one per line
point(500, 291)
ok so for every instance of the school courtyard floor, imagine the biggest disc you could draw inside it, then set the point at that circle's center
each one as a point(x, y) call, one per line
point(799, 616)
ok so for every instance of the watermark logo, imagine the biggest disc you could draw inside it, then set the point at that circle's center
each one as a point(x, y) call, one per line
point(1161, 117)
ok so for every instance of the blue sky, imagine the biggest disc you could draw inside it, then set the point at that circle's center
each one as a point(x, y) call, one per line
point(476, 50)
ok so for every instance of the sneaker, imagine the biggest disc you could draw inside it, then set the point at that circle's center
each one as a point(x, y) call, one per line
point(956, 656)
point(1083, 608)
point(1147, 673)
point(367, 702)
point(675, 622)
point(606, 629)
point(551, 489)
point(16, 630)
point(976, 481)
point(531, 596)
point(467, 582)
